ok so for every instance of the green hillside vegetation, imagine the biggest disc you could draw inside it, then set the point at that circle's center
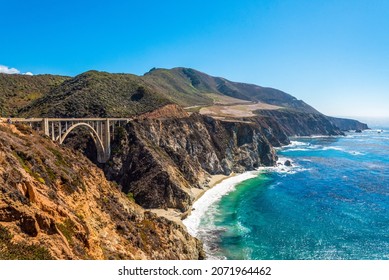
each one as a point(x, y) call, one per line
point(201, 83)
point(104, 94)
point(18, 91)
point(101, 94)
point(98, 94)
point(176, 86)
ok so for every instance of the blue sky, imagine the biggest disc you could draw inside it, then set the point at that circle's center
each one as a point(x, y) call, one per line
point(332, 54)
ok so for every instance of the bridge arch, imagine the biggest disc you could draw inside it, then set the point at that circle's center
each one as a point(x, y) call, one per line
point(101, 150)
point(99, 128)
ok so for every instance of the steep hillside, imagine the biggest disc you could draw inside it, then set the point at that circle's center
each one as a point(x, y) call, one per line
point(102, 94)
point(98, 94)
point(191, 81)
point(348, 124)
point(302, 123)
point(55, 204)
point(18, 91)
point(177, 86)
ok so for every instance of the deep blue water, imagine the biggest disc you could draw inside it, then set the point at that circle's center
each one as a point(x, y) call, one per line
point(333, 203)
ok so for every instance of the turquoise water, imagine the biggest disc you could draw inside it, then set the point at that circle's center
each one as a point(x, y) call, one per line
point(333, 203)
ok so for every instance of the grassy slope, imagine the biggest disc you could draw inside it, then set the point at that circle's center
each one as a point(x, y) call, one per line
point(176, 86)
point(17, 91)
point(98, 94)
point(103, 94)
point(197, 83)
point(116, 95)
point(194, 83)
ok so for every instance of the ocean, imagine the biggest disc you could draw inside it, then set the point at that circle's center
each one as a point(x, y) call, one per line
point(331, 203)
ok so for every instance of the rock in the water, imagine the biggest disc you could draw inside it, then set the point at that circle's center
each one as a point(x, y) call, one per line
point(288, 163)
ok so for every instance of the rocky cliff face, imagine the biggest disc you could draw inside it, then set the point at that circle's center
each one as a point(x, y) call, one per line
point(302, 124)
point(348, 124)
point(161, 161)
point(55, 204)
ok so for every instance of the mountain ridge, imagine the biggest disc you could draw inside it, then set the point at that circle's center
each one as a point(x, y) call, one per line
point(102, 94)
point(246, 91)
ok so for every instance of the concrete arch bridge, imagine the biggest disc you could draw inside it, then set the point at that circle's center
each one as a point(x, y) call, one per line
point(102, 130)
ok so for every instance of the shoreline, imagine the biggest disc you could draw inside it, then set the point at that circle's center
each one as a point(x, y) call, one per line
point(212, 195)
point(177, 216)
point(214, 181)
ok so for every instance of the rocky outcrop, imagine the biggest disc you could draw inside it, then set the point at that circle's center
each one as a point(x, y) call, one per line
point(348, 124)
point(56, 204)
point(160, 161)
point(295, 123)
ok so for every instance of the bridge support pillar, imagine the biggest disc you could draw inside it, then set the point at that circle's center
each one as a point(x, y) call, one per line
point(104, 131)
point(45, 126)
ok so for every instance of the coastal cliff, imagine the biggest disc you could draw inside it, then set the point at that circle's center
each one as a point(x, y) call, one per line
point(160, 161)
point(302, 124)
point(348, 124)
point(56, 204)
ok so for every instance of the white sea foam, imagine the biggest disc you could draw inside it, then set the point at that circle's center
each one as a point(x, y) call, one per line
point(292, 145)
point(283, 169)
point(334, 148)
point(297, 146)
point(308, 147)
point(299, 149)
point(316, 136)
point(379, 130)
point(242, 229)
point(202, 205)
point(296, 143)
point(300, 146)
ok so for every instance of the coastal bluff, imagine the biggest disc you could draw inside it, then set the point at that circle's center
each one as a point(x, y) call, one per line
point(162, 161)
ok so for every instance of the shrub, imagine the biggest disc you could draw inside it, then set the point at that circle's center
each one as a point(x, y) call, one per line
point(20, 251)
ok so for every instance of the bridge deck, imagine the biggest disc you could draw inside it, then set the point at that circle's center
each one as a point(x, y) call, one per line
point(67, 119)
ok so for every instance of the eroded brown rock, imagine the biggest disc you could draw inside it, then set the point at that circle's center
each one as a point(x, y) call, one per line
point(54, 198)
point(160, 160)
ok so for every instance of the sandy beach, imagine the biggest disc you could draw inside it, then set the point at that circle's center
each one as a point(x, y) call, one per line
point(177, 216)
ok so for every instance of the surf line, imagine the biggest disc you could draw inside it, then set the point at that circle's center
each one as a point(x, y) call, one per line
point(214, 194)
point(211, 196)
